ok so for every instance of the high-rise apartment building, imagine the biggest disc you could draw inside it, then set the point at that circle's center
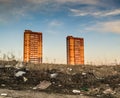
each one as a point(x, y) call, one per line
point(75, 50)
point(32, 46)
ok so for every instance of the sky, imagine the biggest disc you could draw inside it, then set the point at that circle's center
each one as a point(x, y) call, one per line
point(97, 21)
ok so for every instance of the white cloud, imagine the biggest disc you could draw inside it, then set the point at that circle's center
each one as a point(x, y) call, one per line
point(105, 27)
point(76, 12)
point(113, 12)
point(37, 1)
point(95, 13)
point(55, 23)
point(91, 2)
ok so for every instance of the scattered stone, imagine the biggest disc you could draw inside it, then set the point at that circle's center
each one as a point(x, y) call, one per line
point(86, 81)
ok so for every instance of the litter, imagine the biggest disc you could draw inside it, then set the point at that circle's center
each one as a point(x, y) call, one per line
point(76, 91)
point(83, 73)
point(3, 94)
point(3, 85)
point(54, 75)
point(25, 79)
point(108, 91)
point(20, 73)
point(70, 69)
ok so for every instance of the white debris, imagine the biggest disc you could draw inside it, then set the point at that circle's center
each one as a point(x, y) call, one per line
point(59, 85)
point(34, 88)
point(98, 95)
point(25, 79)
point(3, 94)
point(81, 94)
point(3, 85)
point(20, 73)
point(76, 91)
point(70, 69)
point(43, 85)
point(108, 91)
point(54, 75)
point(8, 66)
point(19, 65)
point(83, 73)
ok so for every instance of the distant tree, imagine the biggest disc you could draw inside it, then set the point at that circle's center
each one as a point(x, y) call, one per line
point(4, 56)
point(10, 56)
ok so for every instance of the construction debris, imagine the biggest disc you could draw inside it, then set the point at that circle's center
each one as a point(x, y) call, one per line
point(109, 91)
point(19, 73)
point(3, 94)
point(54, 75)
point(76, 91)
point(90, 81)
point(43, 85)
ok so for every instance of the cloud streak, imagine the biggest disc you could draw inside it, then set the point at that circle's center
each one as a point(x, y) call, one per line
point(105, 27)
point(12, 9)
point(99, 13)
point(55, 23)
point(91, 2)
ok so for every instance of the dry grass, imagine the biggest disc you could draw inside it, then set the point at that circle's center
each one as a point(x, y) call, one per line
point(99, 71)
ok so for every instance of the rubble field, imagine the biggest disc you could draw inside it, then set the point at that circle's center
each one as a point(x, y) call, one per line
point(84, 80)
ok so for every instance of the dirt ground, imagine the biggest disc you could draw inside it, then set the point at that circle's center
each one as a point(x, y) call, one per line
point(68, 81)
point(33, 94)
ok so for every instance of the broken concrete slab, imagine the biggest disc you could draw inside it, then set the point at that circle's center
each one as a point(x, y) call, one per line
point(43, 85)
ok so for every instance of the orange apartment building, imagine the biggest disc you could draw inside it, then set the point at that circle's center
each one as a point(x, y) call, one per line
point(32, 46)
point(75, 50)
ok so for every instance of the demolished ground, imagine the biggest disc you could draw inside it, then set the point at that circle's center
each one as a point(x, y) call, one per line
point(96, 81)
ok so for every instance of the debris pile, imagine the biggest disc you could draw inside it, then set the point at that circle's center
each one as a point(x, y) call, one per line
point(86, 82)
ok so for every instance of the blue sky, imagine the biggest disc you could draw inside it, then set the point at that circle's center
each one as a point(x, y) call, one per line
point(97, 21)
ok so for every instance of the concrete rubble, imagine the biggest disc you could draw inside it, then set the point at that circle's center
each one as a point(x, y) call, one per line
point(19, 73)
point(90, 81)
point(43, 85)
